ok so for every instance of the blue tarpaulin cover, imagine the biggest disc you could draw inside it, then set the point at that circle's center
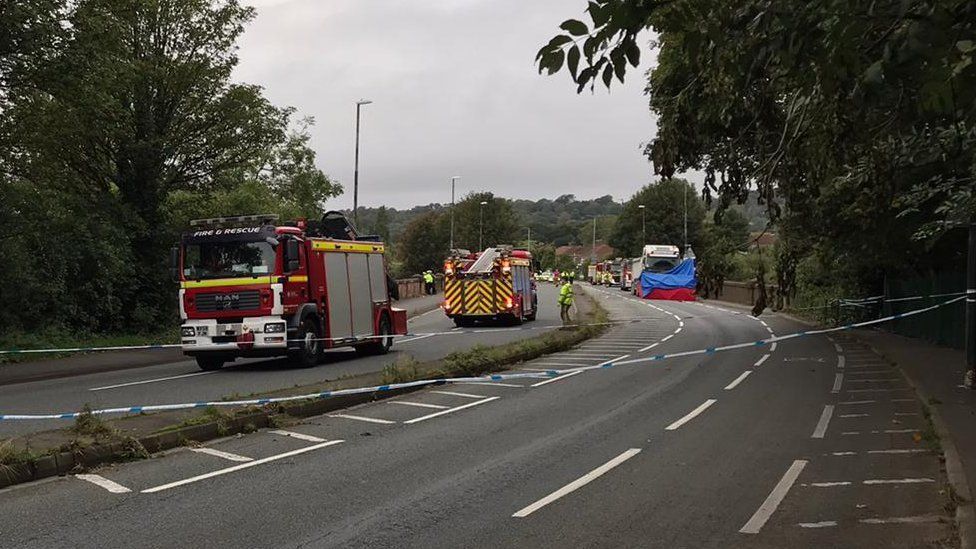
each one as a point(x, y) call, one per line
point(682, 276)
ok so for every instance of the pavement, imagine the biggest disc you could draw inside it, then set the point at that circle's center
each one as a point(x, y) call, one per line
point(811, 442)
point(180, 380)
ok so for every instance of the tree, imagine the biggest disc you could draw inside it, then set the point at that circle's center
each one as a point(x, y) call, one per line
point(382, 224)
point(501, 225)
point(664, 218)
point(858, 114)
point(424, 242)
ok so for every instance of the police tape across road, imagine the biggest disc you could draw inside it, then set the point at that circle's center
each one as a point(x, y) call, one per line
point(479, 379)
point(154, 346)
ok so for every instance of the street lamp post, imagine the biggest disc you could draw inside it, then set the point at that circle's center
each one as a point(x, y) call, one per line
point(355, 177)
point(453, 180)
point(481, 225)
point(643, 226)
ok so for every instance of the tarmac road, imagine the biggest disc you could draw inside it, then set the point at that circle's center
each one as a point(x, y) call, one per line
point(183, 381)
point(812, 443)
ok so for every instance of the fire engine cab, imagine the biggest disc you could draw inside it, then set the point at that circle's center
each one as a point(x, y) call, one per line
point(250, 287)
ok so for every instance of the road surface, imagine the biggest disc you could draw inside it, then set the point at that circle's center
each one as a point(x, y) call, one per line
point(811, 443)
point(183, 381)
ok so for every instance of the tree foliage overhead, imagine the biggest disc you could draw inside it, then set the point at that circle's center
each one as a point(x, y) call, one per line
point(859, 115)
point(118, 122)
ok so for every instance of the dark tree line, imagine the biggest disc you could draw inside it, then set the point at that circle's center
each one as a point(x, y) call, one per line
point(118, 122)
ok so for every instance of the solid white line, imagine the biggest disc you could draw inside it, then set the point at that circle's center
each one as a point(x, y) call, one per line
point(845, 416)
point(492, 383)
point(900, 451)
point(830, 484)
point(103, 482)
point(738, 380)
point(564, 376)
point(649, 347)
point(841, 362)
point(419, 404)
point(240, 467)
point(143, 382)
point(450, 410)
point(678, 330)
point(220, 454)
point(402, 341)
point(667, 337)
point(821, 428)
point(838, 381)
point(577, 484)
point(843, 453)
point(821, 524)
point(363, 418)
point(898, 481)
point(774, 498)
point(761, 360)
point(299, 436)
point(465, 395)
point(691, 415)
point(773, 346)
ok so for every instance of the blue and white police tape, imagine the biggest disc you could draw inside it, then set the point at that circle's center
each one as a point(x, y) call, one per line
point(155, 346)
point(479, 379)
point(877, 300)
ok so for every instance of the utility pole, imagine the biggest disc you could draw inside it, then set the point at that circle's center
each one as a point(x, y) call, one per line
point(355, 177)
point(593, 248)
point(971, 308)
point(481, 225)
point(685, 193)
point(453, 179)
point(644, 226)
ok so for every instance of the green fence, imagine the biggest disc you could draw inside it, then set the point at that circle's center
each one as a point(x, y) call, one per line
point(943, 326)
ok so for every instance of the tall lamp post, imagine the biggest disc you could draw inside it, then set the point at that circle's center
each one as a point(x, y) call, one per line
point(643, 226)
point(481, 225)
point(355, 177)
point(453, 181)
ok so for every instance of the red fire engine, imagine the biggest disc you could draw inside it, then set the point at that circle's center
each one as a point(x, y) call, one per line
point(252, 288)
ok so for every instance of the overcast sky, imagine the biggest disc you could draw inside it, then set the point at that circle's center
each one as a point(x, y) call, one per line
point(455, 92)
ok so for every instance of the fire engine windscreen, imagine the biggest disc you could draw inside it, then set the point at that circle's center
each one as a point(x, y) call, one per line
point(227, 259)
point(660, 264)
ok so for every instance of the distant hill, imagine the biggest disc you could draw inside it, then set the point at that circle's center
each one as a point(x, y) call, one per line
point(556, 221)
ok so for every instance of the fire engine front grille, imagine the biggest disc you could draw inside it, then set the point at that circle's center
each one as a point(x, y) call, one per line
point(233, 301)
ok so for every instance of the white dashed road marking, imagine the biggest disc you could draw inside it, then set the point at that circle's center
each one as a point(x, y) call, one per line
point(105, 483)
point(775, 497)
point(691, 415)
point(577, 484)
point(224, 455)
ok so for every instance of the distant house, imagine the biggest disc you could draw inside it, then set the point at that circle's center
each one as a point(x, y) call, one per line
point(762, 240)
point(603, 251)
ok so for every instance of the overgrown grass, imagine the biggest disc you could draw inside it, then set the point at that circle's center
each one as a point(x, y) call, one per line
point(12, 455)
point(57, 340)
point(210, 414)
point(88, 424)
point(404, 369)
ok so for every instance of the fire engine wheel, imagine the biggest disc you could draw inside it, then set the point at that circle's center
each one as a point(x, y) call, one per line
point(531, 316)
point(382, 344)
point(209, 363)
point(311, 344)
